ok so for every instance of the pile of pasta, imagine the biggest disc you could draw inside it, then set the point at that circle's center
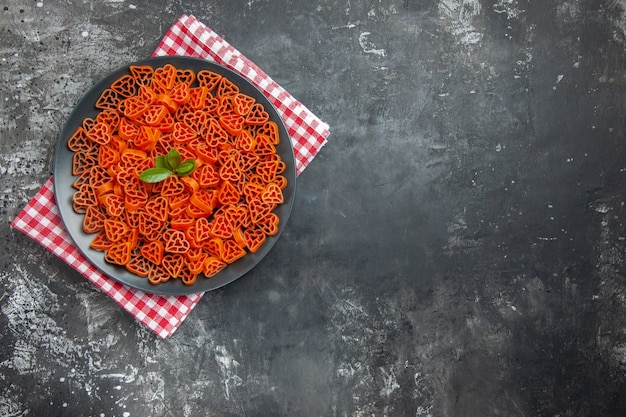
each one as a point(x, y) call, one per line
point(184, 226)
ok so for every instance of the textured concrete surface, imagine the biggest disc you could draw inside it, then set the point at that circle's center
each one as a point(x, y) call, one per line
point(457, 249)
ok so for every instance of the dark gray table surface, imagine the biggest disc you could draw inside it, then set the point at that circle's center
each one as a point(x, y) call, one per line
point(456, 249)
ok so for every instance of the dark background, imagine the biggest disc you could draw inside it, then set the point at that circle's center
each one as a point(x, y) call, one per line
point(457, 248)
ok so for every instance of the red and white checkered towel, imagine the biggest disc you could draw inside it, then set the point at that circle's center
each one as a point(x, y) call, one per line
point(163, 314)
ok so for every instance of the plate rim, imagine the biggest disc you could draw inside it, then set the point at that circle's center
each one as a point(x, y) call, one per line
point(120, 274)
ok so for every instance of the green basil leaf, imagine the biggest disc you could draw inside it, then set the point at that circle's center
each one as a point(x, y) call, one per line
point(186, 167)
point(173, 159)
point(160, 162)
point(155, 174)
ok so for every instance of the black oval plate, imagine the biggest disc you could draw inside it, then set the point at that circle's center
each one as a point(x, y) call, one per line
point(63, 180)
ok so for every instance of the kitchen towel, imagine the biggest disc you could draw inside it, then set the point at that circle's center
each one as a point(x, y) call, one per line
point(162, 314)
